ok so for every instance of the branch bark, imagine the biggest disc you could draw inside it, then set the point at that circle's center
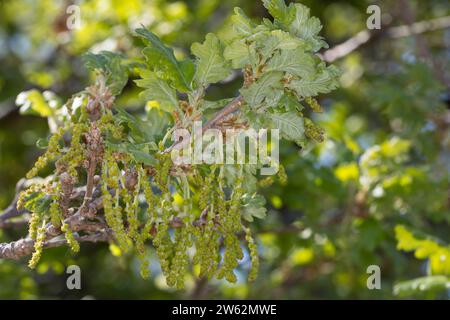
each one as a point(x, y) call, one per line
point(24, 247)
point(365, 36)
point(77, 222)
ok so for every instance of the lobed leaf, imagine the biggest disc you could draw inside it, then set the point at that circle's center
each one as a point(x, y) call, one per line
point(211, 64)
point(161, 59)
point(110, 65)
point(290, 124)
point(158, 90)
point(266, 90)
point(324, 81)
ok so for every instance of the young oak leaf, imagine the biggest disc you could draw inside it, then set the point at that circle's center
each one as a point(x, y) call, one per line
point(325, 81)
point(211, 65)
point(278, 10)
point(110, 64)
point(253, 207)
point(242, 24)
point(295, 62)
point(240, 54)
point(161, 59)
point(158, 90)
point(265, 92)
point(290, 124)
point(268, 42)
point(306, 27)
point(296, 19)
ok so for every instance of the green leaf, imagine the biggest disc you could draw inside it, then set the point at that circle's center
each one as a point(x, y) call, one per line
point(295, 62)
point(277, 9)
point(289, 102)
point(438, 255)
point(156, 124)
point(110, 65)
point(268, 42)
point(158, 90)
point(141, 131)
point(240, 54)
point(33, 102)
point(268, 90)
point(325, 81)
point(253, 207)
point(249, 182)
point(215, 104)
point(161, 60)
point(290, 124)
point(306, 27)
point(211, 65)
point(140, 152)
point(242, 24)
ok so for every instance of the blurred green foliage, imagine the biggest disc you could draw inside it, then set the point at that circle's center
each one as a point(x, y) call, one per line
point(359, 198)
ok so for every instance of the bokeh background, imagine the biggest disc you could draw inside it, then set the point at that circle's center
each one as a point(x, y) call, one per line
point(385, 162)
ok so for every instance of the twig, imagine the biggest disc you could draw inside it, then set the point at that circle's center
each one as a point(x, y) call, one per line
point(24, 247)
point(231, 107)
point(422, 48)
point(364, 36)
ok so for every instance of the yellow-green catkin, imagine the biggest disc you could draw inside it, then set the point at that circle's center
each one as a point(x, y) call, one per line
point(207, 254)
point(254, 258)
point(145, 233)
point(180, 259)
point(266, 182)
point(131, 200)
point(55, 214)
point(106, 124)
point(30, 192)
point(313, 131)
point(150, 198)
point(33, 225)
point(282, 176)
point(76, 153)
point(113, 211)
point(71, 241)
point(23, 198)
point(162, 176)
point(55, 210)
point(315, 106)
point(206, 235)
point(38, 246)
point(142, 256)
point(207, 189)
point(162, 241)
point(53, 151)
point(230, 224)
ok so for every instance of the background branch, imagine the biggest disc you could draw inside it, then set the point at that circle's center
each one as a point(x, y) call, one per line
point(365, 36)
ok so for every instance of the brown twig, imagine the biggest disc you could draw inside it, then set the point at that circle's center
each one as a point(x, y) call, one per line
point(365, 36)
point(423, 51)
point(231, 107)
point(24, 247)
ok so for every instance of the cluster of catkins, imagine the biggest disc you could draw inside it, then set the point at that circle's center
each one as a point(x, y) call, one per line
point(138, 202)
